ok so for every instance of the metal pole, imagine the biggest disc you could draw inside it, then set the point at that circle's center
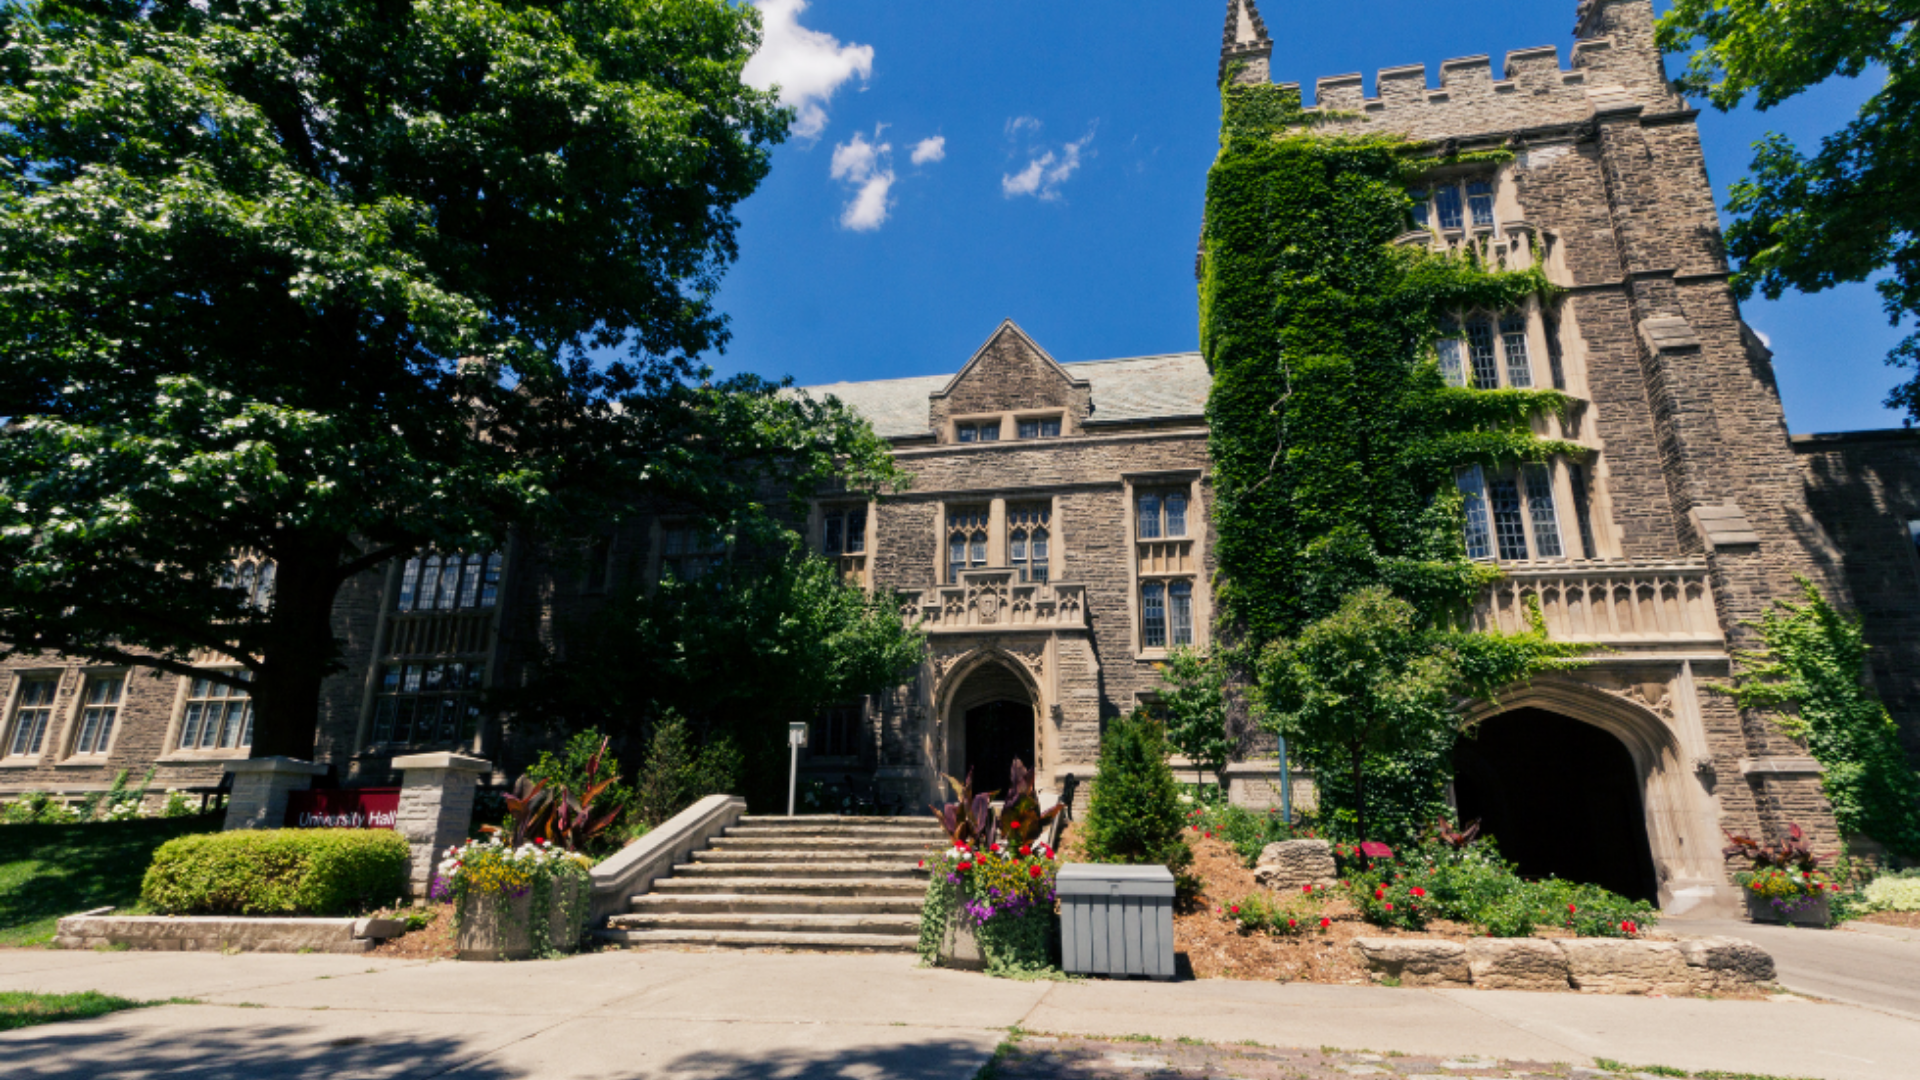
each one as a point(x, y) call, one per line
point(793, 777)
point(1286, 785)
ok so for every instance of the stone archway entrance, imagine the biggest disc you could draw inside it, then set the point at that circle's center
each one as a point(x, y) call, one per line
point(1562, 798)
point(990, 720)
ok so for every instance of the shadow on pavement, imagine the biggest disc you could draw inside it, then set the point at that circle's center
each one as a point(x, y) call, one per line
point(933, 1059)
point(278, 1051)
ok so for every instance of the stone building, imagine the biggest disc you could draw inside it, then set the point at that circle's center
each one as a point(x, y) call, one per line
point(1054, 543)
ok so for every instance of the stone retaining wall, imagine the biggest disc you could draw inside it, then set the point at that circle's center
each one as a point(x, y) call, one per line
point(196, 933)
point(1590, 965)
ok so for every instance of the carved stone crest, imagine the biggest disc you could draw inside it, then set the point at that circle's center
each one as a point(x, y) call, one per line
point(987, 602)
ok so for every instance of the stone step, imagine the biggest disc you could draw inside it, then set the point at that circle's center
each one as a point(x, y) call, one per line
point(799, 869)
point(785, 854)
point(679, 902)
point(794, 886)
point(742, 939)
point(828, 821)
point(769, 924)
point(826, 844)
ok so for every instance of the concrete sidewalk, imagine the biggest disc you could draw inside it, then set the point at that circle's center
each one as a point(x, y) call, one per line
point(1877, 967)
point(739, 1015)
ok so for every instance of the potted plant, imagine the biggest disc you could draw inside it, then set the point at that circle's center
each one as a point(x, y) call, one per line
point(990, 898)
point(1784, 882)
point(525, 891)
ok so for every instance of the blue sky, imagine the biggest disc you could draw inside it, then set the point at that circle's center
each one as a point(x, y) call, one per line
point(957, 164)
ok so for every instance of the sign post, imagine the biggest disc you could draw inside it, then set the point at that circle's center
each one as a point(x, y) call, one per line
point(796, 738)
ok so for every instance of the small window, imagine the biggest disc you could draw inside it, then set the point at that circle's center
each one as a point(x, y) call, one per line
point(100, 710)
point(428, 702)
point(1512, 515)
point(254, 578)
point(1480, 203)
point(1422, 207)
point(1486, 369)
point(1446, 206)
point(966, 541)
point(1513, 341)
point(1480, 352)
point(32, 713)
point(844, 531)
point(836, 732)
point(985, 431)
point(1180, 612)
point(1040, 428)
point(690, 552)
point(1162, 515)
point(1028, 540)
point(449, 582)
point(1153, 615)
point(218, 717)
point(1582, 512)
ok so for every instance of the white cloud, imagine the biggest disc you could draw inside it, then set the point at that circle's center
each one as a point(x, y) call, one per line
point(807, 65)
point(934, 149)
point(1765, 338)
point(868, 167)
point(1046, 171)
point(1018, 124)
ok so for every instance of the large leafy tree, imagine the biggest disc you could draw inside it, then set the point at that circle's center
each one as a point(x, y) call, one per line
point(1848, 211)
point(328, 281)
point(769, 638)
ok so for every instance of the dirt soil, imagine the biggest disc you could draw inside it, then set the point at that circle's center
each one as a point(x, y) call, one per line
point(434, 942)
point(1908, 919)
point(1042, 1057)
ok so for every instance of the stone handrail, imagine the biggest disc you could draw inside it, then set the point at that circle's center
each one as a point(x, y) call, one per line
point(1608, 603)
point(634, 868)
point(997, 600)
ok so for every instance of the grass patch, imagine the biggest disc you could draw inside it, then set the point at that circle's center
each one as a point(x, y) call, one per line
point(1613, 1066)
point(47, 871)
point(20, 1009)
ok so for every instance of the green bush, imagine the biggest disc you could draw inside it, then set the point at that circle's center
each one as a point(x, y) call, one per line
point(676, 774)
point(1248, 832)
point(1134, 815)
point(1893, 893)
point(1474, 885)
point(278, 872)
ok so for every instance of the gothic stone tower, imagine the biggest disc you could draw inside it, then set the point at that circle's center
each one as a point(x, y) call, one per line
point(1687, 515)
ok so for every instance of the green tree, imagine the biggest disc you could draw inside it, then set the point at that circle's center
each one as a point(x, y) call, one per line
point(1376, 680)
point(1193, 687)
point(742, 652)
point(1848, 212)
point(1335, 436)
point(329, 281)
point(1134, 814)
point(677, 772)
point(1812, 672)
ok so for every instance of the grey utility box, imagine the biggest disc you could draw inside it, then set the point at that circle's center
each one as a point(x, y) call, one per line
point(1116, 920)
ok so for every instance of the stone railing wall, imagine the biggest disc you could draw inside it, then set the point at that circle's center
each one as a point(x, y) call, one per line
point(997, 600)
point(1608, 603)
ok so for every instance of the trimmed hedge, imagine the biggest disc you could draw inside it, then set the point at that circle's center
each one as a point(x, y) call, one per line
point(278, 872)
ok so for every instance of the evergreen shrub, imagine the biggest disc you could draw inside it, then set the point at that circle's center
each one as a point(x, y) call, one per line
point(677, 773)
point(1134, 815)
point(278, 872)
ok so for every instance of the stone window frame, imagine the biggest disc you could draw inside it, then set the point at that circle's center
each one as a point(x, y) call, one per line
point(977, 534)
point(183, 698)
point(1007, 422)
point(1040, 417)
point(1036, 536)
point(1192, 482)
point(1476, 188)
point(997, 532)
point(974, 431)
point(1454, 351)
point(70, 753)
point(855, 565)
point(659, 559)
point(856, 720)
point(1574, 528)
point(50, 735)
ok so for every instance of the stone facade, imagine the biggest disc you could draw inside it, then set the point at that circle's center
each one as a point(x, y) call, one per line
point(1689, 511)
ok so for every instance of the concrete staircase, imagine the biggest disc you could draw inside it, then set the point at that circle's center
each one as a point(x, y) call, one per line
point(830, 883)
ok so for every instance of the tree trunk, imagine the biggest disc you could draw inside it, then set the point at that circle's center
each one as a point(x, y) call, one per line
point(300, 649)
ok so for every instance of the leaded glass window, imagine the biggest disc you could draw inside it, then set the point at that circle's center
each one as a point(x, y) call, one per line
point(1153, 615)
point(99, 712)
point(1028, 540)
point(1040, 428)
point(1511, 515)
point(1546, 523)
point(1480, 203)
point(1479, 536)
point(1446, 206)
point(1180, 612)
point(966, 541)
point(1486, 368)
point(432, 702)
point(1513, 340)
point(978, 431)
point(218, 717)
point(32, 713)
point(450, 582)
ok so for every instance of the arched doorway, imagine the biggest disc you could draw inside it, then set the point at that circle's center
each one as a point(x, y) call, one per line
point(997, 733)
point(1562, 798)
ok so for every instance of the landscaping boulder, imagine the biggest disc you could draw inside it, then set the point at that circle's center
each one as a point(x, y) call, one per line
point(1726, 964)
point(1517, 964)
point(1290, 864)
point(1621, 966)
point(1416, 961)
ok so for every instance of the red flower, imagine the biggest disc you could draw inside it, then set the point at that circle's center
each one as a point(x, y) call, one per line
point(1209, 836)
point(1235, 909)
point(1291, 925)
point(1629, 927)
point(1379, 894)
point(1013, 825)
point(1418, 891)
point(1196, 828)
point(1571, 909)
point(1035, 871)
point(923, 864)
point(1389, 907)
point(964, 867)
point(1306, 888)
point(1324, 923)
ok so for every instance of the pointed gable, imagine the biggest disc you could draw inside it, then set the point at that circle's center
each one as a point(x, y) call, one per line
point(1011, 374)
point(1245, 41)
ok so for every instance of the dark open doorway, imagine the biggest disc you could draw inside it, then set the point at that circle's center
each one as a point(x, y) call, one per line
point(998, 732)
point(1561, 797)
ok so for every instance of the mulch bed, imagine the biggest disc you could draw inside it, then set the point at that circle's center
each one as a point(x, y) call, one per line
point(434, 942)
point(1908, 919)
point(1047, 1058)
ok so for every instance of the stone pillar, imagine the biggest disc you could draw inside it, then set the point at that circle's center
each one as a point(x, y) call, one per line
point(260, 789)
point(436, 807)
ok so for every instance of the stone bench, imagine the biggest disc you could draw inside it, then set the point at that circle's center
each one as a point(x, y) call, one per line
point(216, 933)
point(1589, 965)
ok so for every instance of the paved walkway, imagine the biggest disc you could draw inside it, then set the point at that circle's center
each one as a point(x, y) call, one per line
point(1873, 966)
point(734, 1016)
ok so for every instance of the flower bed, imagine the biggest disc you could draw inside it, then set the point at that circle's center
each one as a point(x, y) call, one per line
point(992, 909)
point(514, 902)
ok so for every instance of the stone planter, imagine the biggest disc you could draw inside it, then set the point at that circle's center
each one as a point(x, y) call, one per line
point(500, 927)
point(1817, 913)
point(960, 948)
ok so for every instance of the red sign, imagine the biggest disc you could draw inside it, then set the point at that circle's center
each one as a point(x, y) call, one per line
point(344, 808)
